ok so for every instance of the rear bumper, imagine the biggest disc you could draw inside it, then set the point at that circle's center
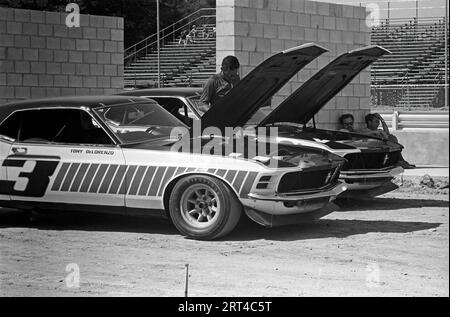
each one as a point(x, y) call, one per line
point(294, 203)
point(368, 179)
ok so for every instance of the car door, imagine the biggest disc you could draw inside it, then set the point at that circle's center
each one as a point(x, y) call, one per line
point(8, 130)
point(63, 156)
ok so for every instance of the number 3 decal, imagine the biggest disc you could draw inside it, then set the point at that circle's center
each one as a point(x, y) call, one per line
point(34, 182)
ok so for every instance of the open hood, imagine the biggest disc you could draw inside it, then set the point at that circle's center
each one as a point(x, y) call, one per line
point(306, 101)
point(255, 89)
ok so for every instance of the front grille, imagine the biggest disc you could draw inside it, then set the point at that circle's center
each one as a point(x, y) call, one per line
point(370, 160)
point(306, 180)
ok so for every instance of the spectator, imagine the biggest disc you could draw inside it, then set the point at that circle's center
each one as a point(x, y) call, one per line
point(190, 38)
point(205, 31)
point(220, 84)
point(183, 35)
point(373, 121)
point(347, 120)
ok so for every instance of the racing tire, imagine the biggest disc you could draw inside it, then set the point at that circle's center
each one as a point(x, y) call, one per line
point(203, 207)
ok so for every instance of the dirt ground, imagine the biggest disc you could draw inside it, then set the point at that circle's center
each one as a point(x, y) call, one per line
point(395, 245)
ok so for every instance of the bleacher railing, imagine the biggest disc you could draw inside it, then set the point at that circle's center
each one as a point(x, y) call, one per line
point(416, 120)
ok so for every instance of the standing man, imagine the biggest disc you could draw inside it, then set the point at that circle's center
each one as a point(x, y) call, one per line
point(220, 84)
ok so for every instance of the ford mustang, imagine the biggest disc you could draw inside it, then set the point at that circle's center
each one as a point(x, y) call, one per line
point(120, 154)
point(370, 162)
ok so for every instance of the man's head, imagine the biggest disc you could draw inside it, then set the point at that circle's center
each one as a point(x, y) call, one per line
point(372, 121)
point(347, 121)
point(230, 68)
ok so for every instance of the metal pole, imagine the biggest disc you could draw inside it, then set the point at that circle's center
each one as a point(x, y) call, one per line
point(158, 47)
point(446, 56)
point(187, 280)
point(389, 11)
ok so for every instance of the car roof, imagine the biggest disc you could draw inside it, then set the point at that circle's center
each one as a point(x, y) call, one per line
point(72, 101)
point(166, 91)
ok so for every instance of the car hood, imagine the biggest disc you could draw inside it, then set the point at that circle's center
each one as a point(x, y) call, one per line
point(255, 89)
point(306, 101)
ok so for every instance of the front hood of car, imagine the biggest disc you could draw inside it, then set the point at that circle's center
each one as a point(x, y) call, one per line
point(255, 89)
point(270, 154)
point(306, 101)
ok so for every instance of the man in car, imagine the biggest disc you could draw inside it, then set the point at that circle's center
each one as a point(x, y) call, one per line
point(347, 120)
point(220, 84)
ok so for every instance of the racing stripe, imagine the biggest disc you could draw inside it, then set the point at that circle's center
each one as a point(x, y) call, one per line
point(180, 170)
point(238, 180)
point(107, 180)
point(211, 170)
point(77, 182)
point(117, 179)
point(167, 177)
point(221, 173)
point(69, 177)
point(156, 181)
point(230, 175)
point(98, 178)
point(248, 184)
point(146, 182)
point(89, 177)
point(59, 178)
point(127, 181)
point(137, 180)
point(190, 169)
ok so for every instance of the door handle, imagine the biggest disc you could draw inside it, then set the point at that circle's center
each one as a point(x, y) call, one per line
point(19, 150)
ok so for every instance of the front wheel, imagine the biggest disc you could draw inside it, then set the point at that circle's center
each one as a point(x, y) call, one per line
point(203, 207)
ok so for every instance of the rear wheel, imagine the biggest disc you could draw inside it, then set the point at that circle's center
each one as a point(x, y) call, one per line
point(203, 207)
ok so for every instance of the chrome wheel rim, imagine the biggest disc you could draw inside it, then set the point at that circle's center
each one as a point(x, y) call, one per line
point(200, 206)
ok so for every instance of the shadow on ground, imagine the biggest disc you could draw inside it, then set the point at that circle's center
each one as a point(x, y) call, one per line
point(388, 204)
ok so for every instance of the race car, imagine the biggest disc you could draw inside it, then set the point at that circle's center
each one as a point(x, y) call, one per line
point(371, 161)
point(119, 154)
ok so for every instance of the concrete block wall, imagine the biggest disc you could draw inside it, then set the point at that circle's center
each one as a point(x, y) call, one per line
point(253, 30)
point(41, 57)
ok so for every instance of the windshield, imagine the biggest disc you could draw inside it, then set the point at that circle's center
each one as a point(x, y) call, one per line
point(195, 102)
point(139, 122)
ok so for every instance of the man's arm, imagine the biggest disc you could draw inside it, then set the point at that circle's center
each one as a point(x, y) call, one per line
point(207, 95)
point(383, 124)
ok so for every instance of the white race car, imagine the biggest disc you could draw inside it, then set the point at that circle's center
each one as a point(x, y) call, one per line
point(118, 154)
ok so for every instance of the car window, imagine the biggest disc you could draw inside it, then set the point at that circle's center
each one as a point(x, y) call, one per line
point(10, 126)
point(177, 108)
point(72, 126)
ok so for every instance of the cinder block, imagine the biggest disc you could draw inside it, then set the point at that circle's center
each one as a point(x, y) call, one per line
point(6, 92)
point(29, 28)
point(38, 67)
point(298, 6)
point(263, 45)
point(117, 58)
point(347, 37)
point(284, 32)
point(89, 33)
point(240, 28)
point(262, 16)
point(255, 58)
point(311, 7)
point(53, 18)
point(311, 34)
point(329, 23)
point(61, 56)
point(82, 45)
point(119, 70)
point(60, 30)
point(284, 5)
point(249, 44)
point(53, 43)
point(30, 54)
point(291, 18)
point(117, 35)
point(68, 92)
point(67, 44)
point(103, 58)
point(297, 33)
point(104, 34)
point(82, 69)
point(110, 22)
point(75, 57)
point(2, 52)
point(336, 10)
point(120, 23)
point(90, 82)
point(75, 81)
point(45, 80)
point(37, 42)
point(104, 82)
point(96, 21)
point(117, 82)
point(110, 70)
point(14, 53)
point(6, 40)
point(304, 20)
point(348, 91)
point(82, 91)
point(6, 14)
point(84, 21)
point(96, 45)
point(53, 92)
point(336, 36)
point(75, 33)
point(21, 41)
point(270, 31)
point(256, 30)
point(89, 57)
point(45, 29)
point(21, 15)
point(53, 68)
point(96, 91)
point(61, 80)
point(23, 92)
point(37, 92)
point(323, 8)
point(37, 16)
point(276, 17)
point(249, 14)
point(14, 79)
point(22, 67)
point(341, 24)
point(96, 69)
point(30, 80)
point(13, 27)
point(243, 57)
point(323, 35)
point(347, 11)
point(68, 69)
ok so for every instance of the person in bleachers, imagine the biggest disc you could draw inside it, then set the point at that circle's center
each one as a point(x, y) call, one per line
point(220, 84)
point(183, 35)
point(347, 120)
point(373, 121)
point(190, 38)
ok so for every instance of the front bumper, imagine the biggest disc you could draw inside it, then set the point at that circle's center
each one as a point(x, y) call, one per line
point(368, 179)
point(294, 203)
